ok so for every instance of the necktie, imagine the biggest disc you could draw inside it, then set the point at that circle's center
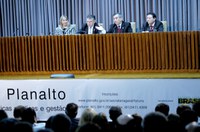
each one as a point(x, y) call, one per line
point(119, 29)
point(151, 28)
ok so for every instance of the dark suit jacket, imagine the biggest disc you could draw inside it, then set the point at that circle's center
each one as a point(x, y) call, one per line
point(84, 29)
point(126, 28)
point(158, 27)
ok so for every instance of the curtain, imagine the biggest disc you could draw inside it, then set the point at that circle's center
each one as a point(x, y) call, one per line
point(41, 17)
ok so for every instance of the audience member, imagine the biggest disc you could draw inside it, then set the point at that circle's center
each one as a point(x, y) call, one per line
point(187, 117)
point(152, 24)
point(22, 126)
point(18, 110)
point(155, 122)
point(7, 124)
point(163, 108)
point(87, 116)
point(122, 122)
point(135, 125)
point(182, 108)
point(114, 113)
point(29, 115)
point(60, 123)
point(196, 109)
point(65, 28)
point(3, 114)
point(90, 26)
point(101, 120)
point(72, 110)
point(49, 122)
point(174, 123)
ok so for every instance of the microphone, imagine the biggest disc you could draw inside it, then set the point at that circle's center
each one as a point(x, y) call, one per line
point(81, 32)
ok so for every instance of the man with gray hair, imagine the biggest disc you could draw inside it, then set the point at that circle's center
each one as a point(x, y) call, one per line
point(119, 25)
point(90, 26)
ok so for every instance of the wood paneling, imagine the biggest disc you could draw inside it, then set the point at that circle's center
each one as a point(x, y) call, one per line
point(159, 51)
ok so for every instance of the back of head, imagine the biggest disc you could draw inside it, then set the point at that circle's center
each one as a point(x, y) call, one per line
point(115, 112)
point(23, 127)
point(135, 125)
point(48, 123)
point(7, 125)
point(163, 108)
point(196, 108)
point(18, 110)
point(3, 114)
point(101, 120)
point(29, 115)
point(187, 117)
point(124, 119)
point(155, 122)
point(60, 123)
point(174, 122)
point(182, 108)
point(71, 110)
point(87, 116)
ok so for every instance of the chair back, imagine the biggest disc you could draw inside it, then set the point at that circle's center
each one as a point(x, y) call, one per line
point(164, 26)
point(133, 26)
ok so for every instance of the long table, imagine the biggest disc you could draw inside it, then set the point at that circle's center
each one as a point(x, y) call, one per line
point(163, 51)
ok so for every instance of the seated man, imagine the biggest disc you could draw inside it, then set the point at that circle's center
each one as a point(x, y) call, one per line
point(119, 25)
point(90, 26)
point(152, 24)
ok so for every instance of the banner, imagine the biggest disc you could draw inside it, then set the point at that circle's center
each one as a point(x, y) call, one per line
point(49, 97)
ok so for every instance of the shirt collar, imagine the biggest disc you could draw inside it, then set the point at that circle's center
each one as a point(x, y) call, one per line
point(153, 24)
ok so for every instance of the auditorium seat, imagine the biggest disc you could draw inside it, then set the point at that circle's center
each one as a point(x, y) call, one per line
point(74, 25)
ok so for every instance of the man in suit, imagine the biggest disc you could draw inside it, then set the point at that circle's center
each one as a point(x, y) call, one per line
point(71, 110)
point(152, 24)
point(90, 26)
point(119, 26)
